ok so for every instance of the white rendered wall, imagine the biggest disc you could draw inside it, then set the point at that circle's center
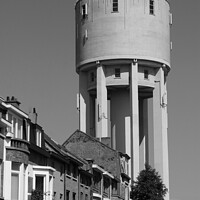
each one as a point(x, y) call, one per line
point(128, 34)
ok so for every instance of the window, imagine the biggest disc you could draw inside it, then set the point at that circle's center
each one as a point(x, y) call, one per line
point(82, 196)
point(115, 5)
point(106, 186)
point(67, 194)
point(92, 76)
point(74, 196)
point(84, 11)
point(19, 131)
point(117, 73)
point(30, 186)
point(114, 187)
point(74, 171)
point(38, 138)
point(86, 196)
point(68, 169)
point(97, 180)
point(61, 170)
point(151, 7)
point(146, 74)
point(14, 186)
point(15, 181)
point(17, 126)
point(14, 123)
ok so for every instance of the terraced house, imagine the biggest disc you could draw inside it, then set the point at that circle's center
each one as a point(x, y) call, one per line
point(31, 160)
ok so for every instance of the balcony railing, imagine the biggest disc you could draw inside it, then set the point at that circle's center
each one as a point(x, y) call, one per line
point(20, 144)
point(106, 194)
point(96, 190)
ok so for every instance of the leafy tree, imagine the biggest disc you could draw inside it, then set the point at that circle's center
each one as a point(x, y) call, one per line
point(36, 195)
point(149, 186)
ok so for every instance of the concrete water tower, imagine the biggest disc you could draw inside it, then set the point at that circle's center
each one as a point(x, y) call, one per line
point(123, 59)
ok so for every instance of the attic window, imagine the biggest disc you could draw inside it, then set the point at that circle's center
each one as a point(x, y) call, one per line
point(38, 138)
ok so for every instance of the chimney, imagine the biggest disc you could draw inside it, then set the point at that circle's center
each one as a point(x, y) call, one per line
point(33, 115)
point(13, 101)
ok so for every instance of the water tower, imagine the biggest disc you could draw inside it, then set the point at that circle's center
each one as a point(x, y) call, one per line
point(123, 59)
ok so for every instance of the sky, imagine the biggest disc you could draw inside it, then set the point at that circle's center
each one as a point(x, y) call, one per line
point(37, 66)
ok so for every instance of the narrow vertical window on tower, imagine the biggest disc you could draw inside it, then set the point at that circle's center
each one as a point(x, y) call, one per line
point(117, 73)
point(92, 77)
point(151, 7)
point(146, 74)
point(84, 11)
point(115, 6)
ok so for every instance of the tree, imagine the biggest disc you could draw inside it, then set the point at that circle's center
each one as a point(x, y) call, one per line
point(149, 185)
point(36, 195)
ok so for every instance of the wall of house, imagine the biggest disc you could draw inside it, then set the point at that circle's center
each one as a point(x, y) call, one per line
point(72, 181)
point(1, 147)
point(87, 147)
point(58, 176)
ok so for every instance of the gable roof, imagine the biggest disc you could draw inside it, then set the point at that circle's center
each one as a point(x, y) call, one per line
point(61, 153)
point(86, 146)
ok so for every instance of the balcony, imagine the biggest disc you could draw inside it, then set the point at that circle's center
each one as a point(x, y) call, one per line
point(96, 189)
point(20, 145)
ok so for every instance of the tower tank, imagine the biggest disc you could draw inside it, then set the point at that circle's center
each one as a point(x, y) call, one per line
point(123, 29)
point(123, 59)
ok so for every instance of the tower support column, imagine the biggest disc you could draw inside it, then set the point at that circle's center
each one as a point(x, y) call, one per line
point(144, 143)
point(134, 143)
point(102, 112)
point(160, 127)
point(83, 102)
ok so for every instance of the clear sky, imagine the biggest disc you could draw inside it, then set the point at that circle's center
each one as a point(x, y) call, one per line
point(37, 65)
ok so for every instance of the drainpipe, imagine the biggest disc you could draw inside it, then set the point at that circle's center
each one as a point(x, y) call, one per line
point(78, 183)
point(64, 181)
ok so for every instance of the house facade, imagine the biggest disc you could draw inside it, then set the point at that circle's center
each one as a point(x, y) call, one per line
point(109, 167)
point(30, 160)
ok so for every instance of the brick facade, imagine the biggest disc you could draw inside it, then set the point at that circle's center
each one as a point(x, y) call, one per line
point(85, 146)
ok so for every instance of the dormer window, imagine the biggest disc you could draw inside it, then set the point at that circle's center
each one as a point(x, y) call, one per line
point(38, 138)
point(84, 11)
point(17, 126)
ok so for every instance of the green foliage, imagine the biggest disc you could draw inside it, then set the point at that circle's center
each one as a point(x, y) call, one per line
point(36, 195)
point(149, 186)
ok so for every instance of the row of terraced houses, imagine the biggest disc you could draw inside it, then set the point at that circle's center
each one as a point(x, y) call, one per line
point(82, 168)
